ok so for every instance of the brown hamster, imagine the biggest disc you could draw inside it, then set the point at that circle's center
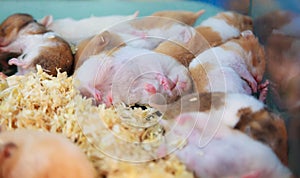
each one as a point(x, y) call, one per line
point(36, 154)
point(22, 34)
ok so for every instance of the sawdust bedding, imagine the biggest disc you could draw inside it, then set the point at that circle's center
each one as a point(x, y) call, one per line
point(42, 102)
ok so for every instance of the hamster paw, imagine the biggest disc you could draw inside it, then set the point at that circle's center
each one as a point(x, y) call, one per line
point(263, 90)
point(166, 82)
point(150, 88)
point(109, 100)
point(17, 62)
point(98, 95)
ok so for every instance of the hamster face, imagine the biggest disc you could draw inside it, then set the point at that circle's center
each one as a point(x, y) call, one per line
point(11, 26)
point(257, 62)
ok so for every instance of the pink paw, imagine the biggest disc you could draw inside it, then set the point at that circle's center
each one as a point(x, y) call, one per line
point(253, 86)
point(98, 95)
point(16, 61)
point(166, 82)
point(150, 88)
point(180, 86)
point(263, 89)
point(109, 100)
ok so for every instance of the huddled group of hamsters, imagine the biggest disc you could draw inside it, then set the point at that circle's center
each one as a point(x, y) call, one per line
point(206, 80)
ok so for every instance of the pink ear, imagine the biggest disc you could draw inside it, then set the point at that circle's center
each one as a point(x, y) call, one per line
point(247, 34)
point(8, 149)
point(200, 12)
point(136, 14)
point(47, 20)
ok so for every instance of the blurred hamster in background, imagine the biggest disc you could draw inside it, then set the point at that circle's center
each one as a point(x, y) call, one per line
point(20, 33)
point(279, 31)
point(36, 154)
point(76, 30)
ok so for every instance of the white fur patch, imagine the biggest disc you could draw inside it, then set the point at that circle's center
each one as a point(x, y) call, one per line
point(225, 30)
point(234, 102)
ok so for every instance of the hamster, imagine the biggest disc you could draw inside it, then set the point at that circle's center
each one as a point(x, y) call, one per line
point(148, 32)
point(21, 34)
point(207, 35)
point(186, 17)
point(235, 110)
point(76, 30)
point(131, 75)
point(232, 67)
point(280, 21)
point(224, 26)
point(267, 128)
point(228, 105)
point(282, 54)
point(219, 151)
point(36, 154)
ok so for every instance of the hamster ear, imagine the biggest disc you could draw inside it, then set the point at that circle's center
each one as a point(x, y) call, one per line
point(99, 42)
point(47, 20)
point(247, 34)
point(8, 149)
point(200, 12)
point(136, 14)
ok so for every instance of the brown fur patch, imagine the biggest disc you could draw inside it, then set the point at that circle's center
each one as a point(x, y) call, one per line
point(151, 23)
point(186, 17)
point(195, 102)
point(11, 26)
point(56, 57)
point(106, 41)
point(177, 51)
point(199, 76)
point(184, 53)
point(211, 100)
point(267, 128)
point(212, 37)
point(239, 21)
point(244, 111)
